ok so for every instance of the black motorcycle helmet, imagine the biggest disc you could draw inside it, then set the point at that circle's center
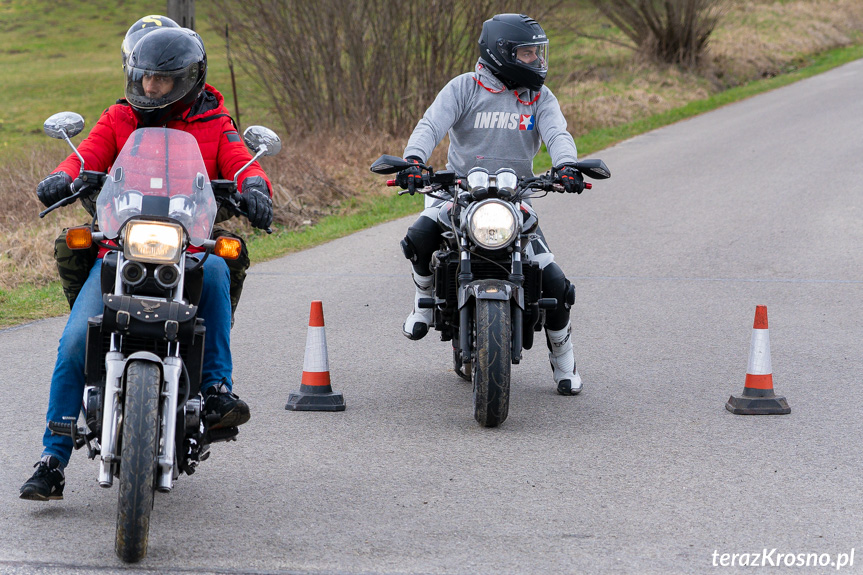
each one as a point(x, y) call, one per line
point(142, 27)
point(514, 47)
point(165, 73)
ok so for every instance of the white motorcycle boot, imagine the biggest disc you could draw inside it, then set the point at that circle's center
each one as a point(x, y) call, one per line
point(563, 361)
point(417, 324)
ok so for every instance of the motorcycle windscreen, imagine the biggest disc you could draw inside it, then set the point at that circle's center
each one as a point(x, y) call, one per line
point(159, 172)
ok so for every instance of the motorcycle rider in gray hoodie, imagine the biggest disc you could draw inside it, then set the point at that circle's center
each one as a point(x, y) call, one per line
point(498, 116)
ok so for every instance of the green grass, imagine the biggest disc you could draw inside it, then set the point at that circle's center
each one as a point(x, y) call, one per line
point(30, 303)
point(65, 55)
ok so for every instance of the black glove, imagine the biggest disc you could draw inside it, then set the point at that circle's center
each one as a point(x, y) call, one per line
point(259, 206)
point(571, 179)
point(54, 188)
point(410, 178)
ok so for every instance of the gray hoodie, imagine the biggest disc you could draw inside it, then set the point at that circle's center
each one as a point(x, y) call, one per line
point(492, 127)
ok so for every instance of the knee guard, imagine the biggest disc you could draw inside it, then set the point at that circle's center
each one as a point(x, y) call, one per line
point(408, 249)
point(419, 244)
point(555, 284)
point(569, 298)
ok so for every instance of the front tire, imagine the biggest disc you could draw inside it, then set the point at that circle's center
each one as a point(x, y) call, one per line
point(492, 362)
point(138, 459)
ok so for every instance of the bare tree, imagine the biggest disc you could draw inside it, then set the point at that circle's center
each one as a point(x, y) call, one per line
point(360, 63)
point(672, 31)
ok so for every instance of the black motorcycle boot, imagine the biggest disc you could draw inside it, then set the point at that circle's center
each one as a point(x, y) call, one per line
point(223, 408)
point(47, 482)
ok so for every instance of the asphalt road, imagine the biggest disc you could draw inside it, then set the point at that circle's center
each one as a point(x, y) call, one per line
point(757, 203)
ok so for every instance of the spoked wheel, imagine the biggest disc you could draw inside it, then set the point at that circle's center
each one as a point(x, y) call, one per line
point(138, 459)
point(491, 363)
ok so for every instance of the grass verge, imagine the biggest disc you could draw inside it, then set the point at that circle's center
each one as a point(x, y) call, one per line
point(29, 303)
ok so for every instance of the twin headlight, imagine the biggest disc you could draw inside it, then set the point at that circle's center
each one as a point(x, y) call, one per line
point(491, 224)
point(153, 242)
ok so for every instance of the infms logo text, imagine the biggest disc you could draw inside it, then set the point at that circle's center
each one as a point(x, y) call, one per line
point(503, 120)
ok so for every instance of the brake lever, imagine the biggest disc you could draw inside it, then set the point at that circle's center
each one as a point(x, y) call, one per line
point(64, 202)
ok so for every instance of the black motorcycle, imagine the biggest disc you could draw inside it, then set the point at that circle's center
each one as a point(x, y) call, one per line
point(142, 407)
point(487, 295)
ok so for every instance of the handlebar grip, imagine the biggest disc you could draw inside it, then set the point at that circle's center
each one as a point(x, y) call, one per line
point(238, 204)
point(391, 183)
point(587, 185)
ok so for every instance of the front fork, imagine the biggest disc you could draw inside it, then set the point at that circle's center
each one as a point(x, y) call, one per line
point(511, 291)
point(115, 365)
point(172, 370)
point(112, 414)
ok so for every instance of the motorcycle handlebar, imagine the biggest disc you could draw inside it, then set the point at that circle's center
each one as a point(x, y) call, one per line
point(548, 182)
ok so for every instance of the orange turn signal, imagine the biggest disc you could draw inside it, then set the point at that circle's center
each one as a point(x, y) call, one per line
point(228, 248)
point(79, 238)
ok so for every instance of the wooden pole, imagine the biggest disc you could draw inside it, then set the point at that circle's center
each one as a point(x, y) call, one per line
point(233, 81)
point(182, 12)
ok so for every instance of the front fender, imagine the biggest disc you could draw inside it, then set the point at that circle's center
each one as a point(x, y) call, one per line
point(490, 289)
point(146, 356)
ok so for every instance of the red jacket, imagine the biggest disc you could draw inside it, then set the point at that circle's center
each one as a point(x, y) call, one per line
point(208, 120)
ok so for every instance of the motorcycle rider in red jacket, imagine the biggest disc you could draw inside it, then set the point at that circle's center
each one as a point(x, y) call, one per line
point(165, 86)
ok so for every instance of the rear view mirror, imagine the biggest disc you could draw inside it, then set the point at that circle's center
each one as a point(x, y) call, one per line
point(595, 169)
point(259, 138)
point(64, 125)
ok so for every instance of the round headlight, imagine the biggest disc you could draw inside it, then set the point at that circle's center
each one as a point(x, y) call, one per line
point(492, 224)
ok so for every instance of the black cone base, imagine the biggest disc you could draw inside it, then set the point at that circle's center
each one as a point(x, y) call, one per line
point(300, 401)
point(745, 405)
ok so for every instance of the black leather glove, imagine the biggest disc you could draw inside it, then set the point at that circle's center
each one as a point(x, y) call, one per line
point(571, 179)
point(410, 179)
point(54, 188)
point(259, 206)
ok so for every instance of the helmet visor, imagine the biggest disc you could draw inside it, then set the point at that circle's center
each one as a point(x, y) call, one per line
point(151, 89)
point(533, 56)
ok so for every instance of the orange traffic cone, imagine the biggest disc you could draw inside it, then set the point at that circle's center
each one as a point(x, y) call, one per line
point(758, 397)
point(316, 393)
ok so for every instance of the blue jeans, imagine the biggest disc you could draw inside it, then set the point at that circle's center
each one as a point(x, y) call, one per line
point(67, 382)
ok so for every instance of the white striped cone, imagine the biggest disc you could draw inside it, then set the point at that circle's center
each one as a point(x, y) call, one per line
point(758, 397)
point(316, 392)
point(759, 374)
point(316, 366)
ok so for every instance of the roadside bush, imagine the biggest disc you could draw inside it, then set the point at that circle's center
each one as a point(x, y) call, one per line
point(372, 64)
point(670, 31)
